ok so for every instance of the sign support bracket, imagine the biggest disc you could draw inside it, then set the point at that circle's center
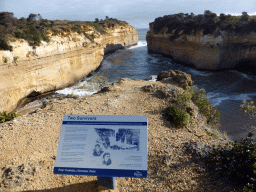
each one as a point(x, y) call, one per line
point(109, 182)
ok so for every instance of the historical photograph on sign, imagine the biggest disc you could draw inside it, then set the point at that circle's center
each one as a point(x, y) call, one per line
point(124, 139)
point(107, 160)
point(105, 136)
point(98, 150)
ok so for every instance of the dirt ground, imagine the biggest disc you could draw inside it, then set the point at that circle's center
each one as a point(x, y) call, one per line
point(28, 145)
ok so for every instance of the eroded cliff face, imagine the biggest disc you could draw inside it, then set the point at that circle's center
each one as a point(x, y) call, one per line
point(63, 61)
point(206, 52)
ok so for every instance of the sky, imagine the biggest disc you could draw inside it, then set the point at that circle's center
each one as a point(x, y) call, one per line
point(137, 13)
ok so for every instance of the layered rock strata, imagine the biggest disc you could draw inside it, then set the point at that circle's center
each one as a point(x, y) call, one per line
point(63, 61)
point(206, 52)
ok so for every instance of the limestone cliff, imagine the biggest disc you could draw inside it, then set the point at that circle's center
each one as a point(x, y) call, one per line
point(212, 51)
point(62, 61)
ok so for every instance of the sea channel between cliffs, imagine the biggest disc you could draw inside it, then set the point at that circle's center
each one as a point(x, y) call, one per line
point(225, 89)
point(29, 143)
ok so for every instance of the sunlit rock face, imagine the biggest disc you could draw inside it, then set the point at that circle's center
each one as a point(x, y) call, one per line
point(206, 52)
point(57, 64)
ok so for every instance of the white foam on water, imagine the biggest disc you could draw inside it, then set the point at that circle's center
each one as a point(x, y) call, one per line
point(77, 92)
point(151, 78)
point(244, 75)
point(199, 73)
point(140, 44)
point(83, 88)
point(216, 99)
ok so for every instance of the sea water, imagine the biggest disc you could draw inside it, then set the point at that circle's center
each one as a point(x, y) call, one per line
point(225, 90)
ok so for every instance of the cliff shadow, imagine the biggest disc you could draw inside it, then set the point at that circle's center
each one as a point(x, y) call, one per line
point(247, 66)
point(111, 48)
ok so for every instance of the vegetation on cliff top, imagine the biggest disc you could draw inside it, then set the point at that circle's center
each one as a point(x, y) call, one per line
point(180, 114)
point(34, 29)
point(210, 23)
point(4, 116)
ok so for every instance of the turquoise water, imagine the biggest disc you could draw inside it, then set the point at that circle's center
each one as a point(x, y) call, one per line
point(226, 90)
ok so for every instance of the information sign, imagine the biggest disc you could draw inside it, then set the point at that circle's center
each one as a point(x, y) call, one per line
point(103, 145)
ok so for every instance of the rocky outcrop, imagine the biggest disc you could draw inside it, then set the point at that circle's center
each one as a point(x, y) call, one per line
point(63, 61)
point(216, 51)
point(183, 79)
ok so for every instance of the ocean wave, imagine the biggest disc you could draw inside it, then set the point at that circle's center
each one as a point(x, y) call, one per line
point(77, 92)
point(199, 73)
point(216, 98)
point(140, 44)
point(245, 76)
point(84, 88)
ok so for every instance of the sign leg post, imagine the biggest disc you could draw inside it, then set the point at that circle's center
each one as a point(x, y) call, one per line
point(109, 182)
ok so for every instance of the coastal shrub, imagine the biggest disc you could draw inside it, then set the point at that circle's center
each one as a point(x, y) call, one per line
point(237, 161)
point(55, 32)
point(46, 38)
point(4, 45)
point(249, 109)
point(209, 133)
point(182, 99)
point(34, 28)
point(204, 105)
point(15, 59)
point(77, 28)
point(197, 96)
point(4, 116)
point(90, 37)
point(208, 22)
point(177, 116)
point(31, 34)
point(97, 27)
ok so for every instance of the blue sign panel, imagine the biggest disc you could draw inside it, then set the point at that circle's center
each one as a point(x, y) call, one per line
point(103, 145)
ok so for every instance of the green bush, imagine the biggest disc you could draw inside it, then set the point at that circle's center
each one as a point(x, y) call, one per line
point(55, 32)
point(97, 27)
point(4, 116)
point(15, 59)
point(46, 38)
point(77, 29)
point(4, 45)
point(197, 96)
point(183, 99)
point(204, 105)
point(209, 23)
point(90, 37)
point(31, 34)
point(177, 116)
point(249, 109)
point(237, 161)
